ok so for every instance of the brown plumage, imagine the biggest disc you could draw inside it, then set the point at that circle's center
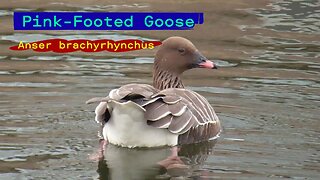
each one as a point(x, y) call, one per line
point(167, 104)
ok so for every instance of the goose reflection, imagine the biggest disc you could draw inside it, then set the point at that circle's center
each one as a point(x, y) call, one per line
point(118, 163)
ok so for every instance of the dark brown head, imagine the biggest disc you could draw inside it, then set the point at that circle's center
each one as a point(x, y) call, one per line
point(177, 54)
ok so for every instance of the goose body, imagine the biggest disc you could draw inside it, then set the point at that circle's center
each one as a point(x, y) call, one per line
point(165, 114)
point(127, 127)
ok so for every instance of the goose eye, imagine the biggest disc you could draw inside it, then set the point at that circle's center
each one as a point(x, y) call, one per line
point(181, 50)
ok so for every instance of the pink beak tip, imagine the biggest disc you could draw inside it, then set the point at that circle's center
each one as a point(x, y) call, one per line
point(208, 64)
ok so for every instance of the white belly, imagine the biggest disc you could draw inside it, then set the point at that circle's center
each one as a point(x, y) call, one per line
point(127, 127)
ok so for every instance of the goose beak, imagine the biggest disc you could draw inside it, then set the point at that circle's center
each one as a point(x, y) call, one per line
point(208, 64)
point(203, 62)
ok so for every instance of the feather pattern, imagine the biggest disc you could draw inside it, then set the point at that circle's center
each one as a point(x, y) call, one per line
point(179, 110)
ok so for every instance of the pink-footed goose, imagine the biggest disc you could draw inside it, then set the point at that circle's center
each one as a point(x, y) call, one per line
point(165, 114)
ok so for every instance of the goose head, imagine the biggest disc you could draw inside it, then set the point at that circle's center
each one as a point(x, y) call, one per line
point(177, 54)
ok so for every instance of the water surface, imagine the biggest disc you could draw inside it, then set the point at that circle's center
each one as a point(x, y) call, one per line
point(267, 95)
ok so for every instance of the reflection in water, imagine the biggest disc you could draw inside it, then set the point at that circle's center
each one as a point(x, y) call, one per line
point(155, 163)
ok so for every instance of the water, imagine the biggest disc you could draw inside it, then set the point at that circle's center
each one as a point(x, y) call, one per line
point(267, 95)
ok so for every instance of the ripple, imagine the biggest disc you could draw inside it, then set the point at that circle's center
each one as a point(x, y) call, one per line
point(4, 72)
point(315, 66)
point(30, 84)
point(290, 53)
point(223, 63)
point(218, 90)
point(291, 16)
point(138, 60)
point(88, 72)
point(35, 156)
point(3, 57)
point(279, 43)
point(234, 139)
point(100, 62)
point(5, 13)
point(109, 7)
point(279, 81)
point(44, 58)
point(114, 7)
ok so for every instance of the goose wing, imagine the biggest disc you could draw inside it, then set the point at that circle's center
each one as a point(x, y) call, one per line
point(181, 111)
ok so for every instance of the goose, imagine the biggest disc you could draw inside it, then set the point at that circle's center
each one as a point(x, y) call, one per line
point(162, 114)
